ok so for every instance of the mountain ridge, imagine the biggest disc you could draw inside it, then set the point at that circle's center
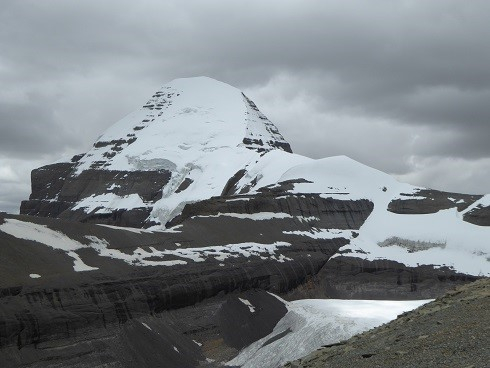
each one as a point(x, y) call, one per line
point(201, 139)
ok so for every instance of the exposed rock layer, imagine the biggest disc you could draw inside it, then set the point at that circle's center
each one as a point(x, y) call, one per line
point(357, 278)
point(431, 201)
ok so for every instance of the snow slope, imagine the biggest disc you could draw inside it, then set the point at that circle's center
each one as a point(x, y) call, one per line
point(440, 239)
point(312, 323)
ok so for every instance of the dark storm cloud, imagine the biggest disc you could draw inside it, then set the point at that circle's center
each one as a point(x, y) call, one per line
point(382, 81)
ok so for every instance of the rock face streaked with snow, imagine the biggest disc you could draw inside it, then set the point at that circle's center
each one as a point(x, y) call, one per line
point(214, 204)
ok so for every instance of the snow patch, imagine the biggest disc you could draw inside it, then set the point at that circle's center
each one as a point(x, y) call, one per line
point(108, 202)
point(238, 199)
point(482, 202)
point(130, 229)
point(248, 304)
point(322, 233)
point(253, 216)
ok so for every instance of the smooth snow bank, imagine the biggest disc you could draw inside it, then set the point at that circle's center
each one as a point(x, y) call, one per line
point(456, 243)
point(312, 323)
point(344, 178)
point(269, 169)
point(460, 245)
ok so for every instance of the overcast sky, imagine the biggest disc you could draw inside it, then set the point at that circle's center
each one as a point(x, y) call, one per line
point(402, 86)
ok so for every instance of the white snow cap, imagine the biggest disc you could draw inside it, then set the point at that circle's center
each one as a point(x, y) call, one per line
point(198, 129)
point(185, 117)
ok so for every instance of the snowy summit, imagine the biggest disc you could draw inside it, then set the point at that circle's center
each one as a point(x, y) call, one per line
point(200, 130)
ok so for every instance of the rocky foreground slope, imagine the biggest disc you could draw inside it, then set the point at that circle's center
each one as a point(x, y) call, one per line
point(452, 331)
point(218, 206)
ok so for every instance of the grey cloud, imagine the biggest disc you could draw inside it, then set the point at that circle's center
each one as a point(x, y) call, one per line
point(11, 196)
point(30, 129)
point(14, 182)
point(380, 81)
point(456, 175)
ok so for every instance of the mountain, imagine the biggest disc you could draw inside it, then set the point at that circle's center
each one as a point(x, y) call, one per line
point(201, 148)
point(182, 146)
point(194, 202)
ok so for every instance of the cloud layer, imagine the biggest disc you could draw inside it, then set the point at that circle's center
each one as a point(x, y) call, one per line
point(402, 86)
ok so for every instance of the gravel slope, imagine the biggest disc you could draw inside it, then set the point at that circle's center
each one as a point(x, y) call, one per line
point(452, 331)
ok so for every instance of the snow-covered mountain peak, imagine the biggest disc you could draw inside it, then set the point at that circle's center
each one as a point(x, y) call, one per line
point(184, 119)
point(188, 140)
